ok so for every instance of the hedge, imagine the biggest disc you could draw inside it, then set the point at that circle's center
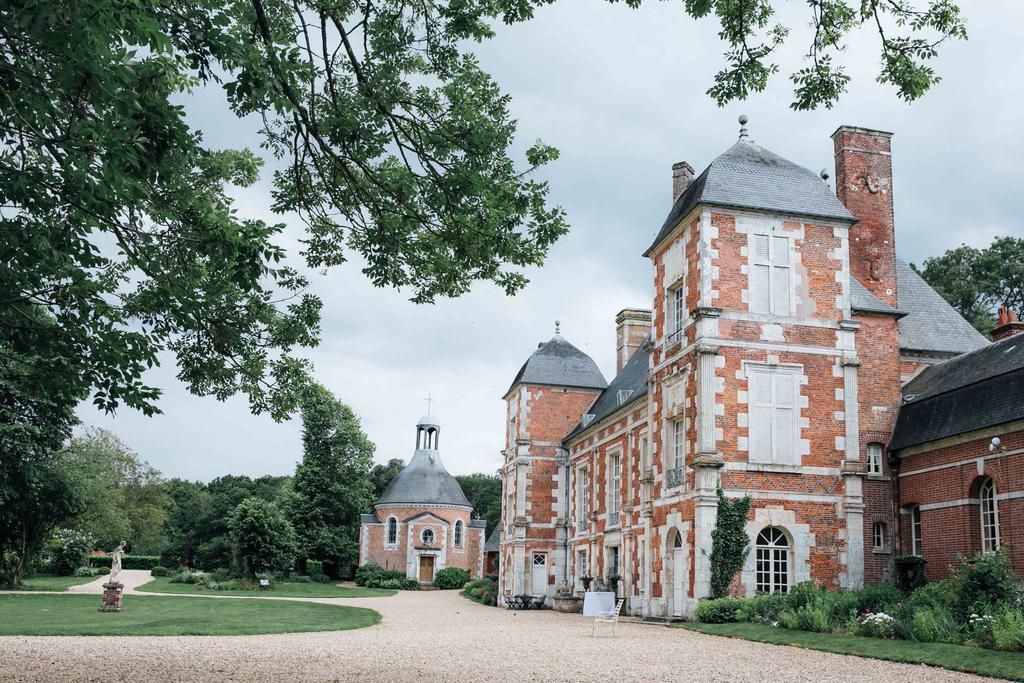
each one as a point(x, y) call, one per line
point(146, 562)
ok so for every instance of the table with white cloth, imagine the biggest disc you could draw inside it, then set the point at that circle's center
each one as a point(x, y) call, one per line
point(595, 603)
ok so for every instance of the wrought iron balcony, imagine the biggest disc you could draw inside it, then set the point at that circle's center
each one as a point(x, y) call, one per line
point(674, 477)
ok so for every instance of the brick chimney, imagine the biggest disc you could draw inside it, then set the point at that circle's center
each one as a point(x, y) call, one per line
point(682, 174)
point(1008, 324)
point(631, 328)
point(864, 185)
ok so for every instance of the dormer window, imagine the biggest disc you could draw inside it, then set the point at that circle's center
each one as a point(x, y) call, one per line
point(587, 419)
point(623, 395)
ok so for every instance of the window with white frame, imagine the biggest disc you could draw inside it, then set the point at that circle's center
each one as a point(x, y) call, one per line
point(770, 275)
point(458, 534)
point(878, 536)
point(875, 451)
point(676, 453)
point(675, 313)
point(582, 569)
point(582, 496)
point(773, 395)
point(645, 463)
point(915, 530)
point(392, 537)
point(614, 486)
point(613, 561)
point(989, 517)
point(772, 570)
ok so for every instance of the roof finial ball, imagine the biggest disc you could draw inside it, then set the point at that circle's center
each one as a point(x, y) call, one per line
point(558, 327)
point(743, 125)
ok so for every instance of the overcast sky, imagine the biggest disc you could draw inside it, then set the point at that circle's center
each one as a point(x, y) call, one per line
point(620, 92)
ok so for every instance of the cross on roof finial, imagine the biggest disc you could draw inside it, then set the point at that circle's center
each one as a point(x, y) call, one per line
point(558, 326)
point(743, 125)
point(429, 400)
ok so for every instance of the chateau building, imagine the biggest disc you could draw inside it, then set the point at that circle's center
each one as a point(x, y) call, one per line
point(772, 364)
point(423, 521)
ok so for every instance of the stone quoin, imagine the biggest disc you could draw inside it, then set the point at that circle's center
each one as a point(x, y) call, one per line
point(772, 364)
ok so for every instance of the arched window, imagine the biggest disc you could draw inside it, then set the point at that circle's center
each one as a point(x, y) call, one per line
point(989, 516)
point(427, 536)
point(772, 549)
point(458, 533)
point(392, 531)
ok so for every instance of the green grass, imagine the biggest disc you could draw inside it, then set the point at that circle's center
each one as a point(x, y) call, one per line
point(974, 660)
point(50, 582)
point(279, 590)
point(76, 615)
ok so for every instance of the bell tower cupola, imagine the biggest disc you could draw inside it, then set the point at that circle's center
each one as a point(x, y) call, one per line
point(427, 431)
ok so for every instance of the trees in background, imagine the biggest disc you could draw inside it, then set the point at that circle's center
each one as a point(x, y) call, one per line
point(484, 494)
point(977, 281)
point(262, 539)
point(125, 497)
point(383, 474)
point(332, 485)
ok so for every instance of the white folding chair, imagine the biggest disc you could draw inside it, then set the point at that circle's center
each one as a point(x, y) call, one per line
point(610, 618)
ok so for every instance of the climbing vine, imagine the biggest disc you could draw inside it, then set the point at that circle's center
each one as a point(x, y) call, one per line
point(729, 542)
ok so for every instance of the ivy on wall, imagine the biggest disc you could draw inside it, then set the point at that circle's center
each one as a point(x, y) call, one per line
point(729, 542)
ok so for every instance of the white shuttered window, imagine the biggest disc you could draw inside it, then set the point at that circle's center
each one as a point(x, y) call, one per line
point(773, 396)
point(770, 288)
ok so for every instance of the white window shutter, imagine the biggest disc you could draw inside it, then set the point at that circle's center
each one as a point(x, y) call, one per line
point(673, 262)
point(780, 291)
point(760, 288)
point(759, 247)
point(780, 251)
point(785, 418)
point(759, 396)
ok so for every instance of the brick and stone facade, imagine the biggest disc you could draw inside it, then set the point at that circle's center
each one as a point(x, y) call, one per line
point(423, 521)
point(769, 366)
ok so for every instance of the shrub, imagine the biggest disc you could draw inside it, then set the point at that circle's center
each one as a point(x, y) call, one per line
point(1008, 629)
point(190, 577)
point(102, 571)
point(451, 578)
point(484, 591)
point(814, 616)
point(979, 584)
point(140, 561)
point(879, 625)
point(159, 570)
point(763, 609)
point(371, 575)
point(67, 550)
point(401, 584)
point(84, 571)
point(214, 553)
point(935, 624)
point(719, 610)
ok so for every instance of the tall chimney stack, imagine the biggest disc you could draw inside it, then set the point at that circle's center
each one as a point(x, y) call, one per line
point(632, 325)
point(864, 185)
point(682, 174)
point(1008, 324)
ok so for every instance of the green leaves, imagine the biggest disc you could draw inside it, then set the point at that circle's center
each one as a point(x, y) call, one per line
point(752, 42)
point(729, 542)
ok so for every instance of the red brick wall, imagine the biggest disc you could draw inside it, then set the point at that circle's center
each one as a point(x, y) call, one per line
point(374, 535)
point(949, 472)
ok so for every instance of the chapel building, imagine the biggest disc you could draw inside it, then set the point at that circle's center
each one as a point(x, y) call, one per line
point(423, 522)
point(772, 364)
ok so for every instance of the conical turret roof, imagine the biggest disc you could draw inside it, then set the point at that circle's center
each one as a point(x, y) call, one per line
point(424, 481)
point(559, 363)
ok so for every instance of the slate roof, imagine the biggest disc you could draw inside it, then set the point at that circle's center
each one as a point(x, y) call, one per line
point(747, 176)
point(931, 324)
point(861, 299)
point(493, 543)
point(979, 389)
point(632, 379)
point(424, 481)
point(478, 524)
point(369, 519)
point(559, 363)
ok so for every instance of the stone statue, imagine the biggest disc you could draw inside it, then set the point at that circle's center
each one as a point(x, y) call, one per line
point(115, 560)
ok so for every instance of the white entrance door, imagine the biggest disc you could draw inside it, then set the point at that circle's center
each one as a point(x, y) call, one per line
point(539, 584)
point(678, 576)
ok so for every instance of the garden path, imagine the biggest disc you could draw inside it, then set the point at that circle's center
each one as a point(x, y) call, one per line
point(441, 636)
point(131, 578)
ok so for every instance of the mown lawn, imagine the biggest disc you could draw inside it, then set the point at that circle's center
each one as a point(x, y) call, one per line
point(49, 582)
point(76, 615)
point(974, 660)
point(281, 590)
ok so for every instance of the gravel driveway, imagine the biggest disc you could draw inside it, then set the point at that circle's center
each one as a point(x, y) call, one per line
point(440, 636)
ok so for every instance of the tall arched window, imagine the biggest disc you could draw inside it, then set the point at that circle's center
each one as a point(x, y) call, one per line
point(458, 533)
point(772, 548)
point(392, 531)
point(989, 516)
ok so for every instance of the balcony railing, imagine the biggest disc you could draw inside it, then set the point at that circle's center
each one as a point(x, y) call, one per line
point(674, 477)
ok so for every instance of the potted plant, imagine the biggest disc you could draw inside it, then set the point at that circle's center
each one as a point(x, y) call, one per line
point(613, 583)
point(586, 580)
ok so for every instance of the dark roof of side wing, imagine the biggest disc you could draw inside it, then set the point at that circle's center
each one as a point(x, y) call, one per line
point(631, 382)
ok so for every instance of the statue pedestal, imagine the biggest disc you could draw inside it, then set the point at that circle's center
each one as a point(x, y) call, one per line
point(111, 597)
